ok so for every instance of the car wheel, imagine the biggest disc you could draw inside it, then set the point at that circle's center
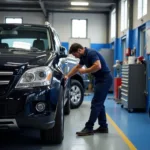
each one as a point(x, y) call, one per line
point(76, 94)
point(67, 105)
point(56, 134)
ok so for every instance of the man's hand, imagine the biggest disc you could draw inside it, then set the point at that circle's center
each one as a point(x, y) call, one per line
point(82, 71)
point(65, 77)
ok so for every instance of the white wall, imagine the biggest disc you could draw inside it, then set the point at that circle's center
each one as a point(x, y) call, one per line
point(97, 25)
point(120, 33)
point(138, 22)
point(110, 39)
point(28, 17)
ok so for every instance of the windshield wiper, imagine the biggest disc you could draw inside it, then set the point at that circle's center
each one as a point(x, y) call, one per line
point(12, 49)
point(33, 49)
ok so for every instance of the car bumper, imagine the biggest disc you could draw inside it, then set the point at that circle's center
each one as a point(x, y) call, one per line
point(45, 122)
point(17, 109)
point(40, 122)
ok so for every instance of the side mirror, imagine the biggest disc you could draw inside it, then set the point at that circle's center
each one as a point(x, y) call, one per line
point(63, 52)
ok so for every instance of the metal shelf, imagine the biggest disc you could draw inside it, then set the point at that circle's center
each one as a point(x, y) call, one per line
point(124, 82)
point(124, 90)
point(124, 94)
point(124, 99)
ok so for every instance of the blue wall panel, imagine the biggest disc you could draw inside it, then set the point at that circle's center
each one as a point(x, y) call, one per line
point(132, 41)
point(133, 38)
point(100, 46)
point(129, 39)
point(115, 50)
point(148, 73)
point(65, 44)
point(93, 45)
point(120, 49)
point(137, 39)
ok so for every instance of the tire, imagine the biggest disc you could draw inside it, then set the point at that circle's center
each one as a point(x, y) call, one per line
point(76, 94)
point(56, 134)
point(67, 105)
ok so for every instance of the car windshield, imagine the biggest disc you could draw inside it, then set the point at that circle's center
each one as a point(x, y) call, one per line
point(24, 37)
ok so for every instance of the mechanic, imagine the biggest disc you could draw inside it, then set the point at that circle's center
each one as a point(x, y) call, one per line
point(96, 65)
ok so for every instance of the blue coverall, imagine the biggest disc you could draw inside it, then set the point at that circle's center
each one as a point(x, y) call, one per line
point(103, 82)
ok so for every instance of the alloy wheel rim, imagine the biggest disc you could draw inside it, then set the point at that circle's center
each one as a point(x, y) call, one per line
point(75, 94)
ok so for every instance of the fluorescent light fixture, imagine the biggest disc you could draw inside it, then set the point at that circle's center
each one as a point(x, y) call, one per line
point(80, 3)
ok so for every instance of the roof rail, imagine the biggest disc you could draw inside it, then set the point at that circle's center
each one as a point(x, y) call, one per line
point(47, 23)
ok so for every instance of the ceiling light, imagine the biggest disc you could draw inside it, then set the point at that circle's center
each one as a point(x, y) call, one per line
point(80, 3)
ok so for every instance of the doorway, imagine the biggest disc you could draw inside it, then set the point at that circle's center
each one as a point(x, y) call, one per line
point(123, 43)
point(142, 44)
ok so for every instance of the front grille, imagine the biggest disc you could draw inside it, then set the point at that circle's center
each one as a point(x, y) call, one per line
point(5, 79)
point(11, 108)
point(5, 112)
point(2, 110)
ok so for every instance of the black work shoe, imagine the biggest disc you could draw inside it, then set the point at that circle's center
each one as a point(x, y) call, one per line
point(101, 130)
point(85, 132)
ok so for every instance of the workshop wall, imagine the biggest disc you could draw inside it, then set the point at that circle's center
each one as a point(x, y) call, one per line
point(138, 22)
point(97, 25)
point(28, 17)
point(132, 41)
point(123, 32)
point(97, 28)
point(132, 35)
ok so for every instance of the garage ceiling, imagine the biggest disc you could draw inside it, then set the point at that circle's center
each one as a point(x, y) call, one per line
point(95, 6)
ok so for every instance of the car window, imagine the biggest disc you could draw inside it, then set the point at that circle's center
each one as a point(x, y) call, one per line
point(26, 38)
point(57, 41)
point(23, 43)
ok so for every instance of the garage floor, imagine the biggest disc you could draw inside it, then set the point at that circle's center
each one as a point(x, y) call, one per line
point(127, 131)
point(29, 140)
point(75, 122)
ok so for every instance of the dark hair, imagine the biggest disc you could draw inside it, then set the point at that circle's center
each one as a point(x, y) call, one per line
point(74, 48)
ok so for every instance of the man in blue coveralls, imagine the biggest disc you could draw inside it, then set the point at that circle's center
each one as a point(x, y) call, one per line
point(97, 66)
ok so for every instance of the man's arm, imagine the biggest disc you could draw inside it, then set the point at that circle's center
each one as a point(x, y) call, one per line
point(74, 70)
point(94, 68)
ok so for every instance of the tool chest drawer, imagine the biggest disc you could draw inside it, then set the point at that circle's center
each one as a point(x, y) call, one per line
point(132, 95)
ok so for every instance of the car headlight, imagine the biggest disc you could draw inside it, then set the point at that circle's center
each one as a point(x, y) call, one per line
point(35, 77)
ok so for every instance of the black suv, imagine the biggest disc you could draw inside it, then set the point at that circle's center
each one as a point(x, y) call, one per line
point(33, 93)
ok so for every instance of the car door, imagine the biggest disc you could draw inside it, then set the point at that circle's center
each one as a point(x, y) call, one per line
point(63, 65)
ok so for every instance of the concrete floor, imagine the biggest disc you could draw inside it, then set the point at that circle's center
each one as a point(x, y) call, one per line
point(30, 140)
